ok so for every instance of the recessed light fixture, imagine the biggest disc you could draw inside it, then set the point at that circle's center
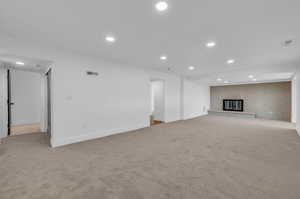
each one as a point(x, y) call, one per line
point(20, 63)
point(163, 57)
point(226, 82)
point(110, 39)
point(161, 6)
point(251, 76)
point(211, 44)
point(230, 61)
point(191, 68)
point(219, 79)
point(254, 80)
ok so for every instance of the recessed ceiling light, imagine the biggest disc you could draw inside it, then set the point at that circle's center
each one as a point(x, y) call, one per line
point(161, 6)
point(251, 76)
point(230, 61)
point(110, 38)
point(163, 57)
point(20, 63)
point(254, 80)
point(191, 68)
point(219, 79)
point(226, 82)
point(210, 44)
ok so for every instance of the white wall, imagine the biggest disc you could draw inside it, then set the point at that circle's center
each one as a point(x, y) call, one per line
point(158, 100)
point(116, 101)
point(26, 96)
point(86, 107)
point(196, 99)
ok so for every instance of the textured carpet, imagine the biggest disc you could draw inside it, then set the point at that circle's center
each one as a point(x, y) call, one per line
point(207, 157)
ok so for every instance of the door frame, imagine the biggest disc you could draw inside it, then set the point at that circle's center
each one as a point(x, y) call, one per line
point(5, 114)
point(3, 101)
point(164, 95)
point(9, 103)
point(48, 100)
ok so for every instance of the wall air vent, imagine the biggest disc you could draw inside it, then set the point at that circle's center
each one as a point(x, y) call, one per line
point(92, 73)
point(287, 42)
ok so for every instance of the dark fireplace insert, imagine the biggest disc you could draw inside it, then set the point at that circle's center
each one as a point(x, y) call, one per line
point(233, 105)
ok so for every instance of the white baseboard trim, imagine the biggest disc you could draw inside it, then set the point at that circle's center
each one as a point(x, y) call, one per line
point(195, 116)
point(170, 121)
point(92, 135)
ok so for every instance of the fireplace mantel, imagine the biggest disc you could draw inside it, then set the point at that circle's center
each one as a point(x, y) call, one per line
point(231, 113)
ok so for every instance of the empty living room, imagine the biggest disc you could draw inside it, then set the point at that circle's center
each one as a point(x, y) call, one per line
point(156, 99)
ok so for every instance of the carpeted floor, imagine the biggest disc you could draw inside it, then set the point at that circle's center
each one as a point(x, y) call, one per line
point(207, 157)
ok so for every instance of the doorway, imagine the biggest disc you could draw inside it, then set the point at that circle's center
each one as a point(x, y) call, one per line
point(24, 102)
point(157, 102)
point(27, 107)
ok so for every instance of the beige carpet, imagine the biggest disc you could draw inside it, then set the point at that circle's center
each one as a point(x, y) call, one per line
point(207, 157)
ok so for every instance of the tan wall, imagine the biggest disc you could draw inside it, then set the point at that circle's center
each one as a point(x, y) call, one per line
point(267, 100)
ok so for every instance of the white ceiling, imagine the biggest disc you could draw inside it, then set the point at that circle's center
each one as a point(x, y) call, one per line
point(252, 32)
point(31, 64)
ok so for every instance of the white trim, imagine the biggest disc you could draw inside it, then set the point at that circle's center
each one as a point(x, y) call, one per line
point(294, 100)
point(51, 103)
point(43, 118)
point(256, 82)
point(3, 105)
point(91, 136)
point(196, 116)
point(170, 121)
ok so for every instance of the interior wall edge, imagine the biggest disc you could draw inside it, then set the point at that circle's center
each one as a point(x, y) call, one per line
point(196, 99)
point(297, 99)
point(3, 104)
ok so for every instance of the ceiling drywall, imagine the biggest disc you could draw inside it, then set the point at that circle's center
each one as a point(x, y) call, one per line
point(30, 64)
point(252, 32)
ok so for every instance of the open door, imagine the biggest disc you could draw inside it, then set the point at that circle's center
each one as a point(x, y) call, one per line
point(157, 102)
point(9, 103)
